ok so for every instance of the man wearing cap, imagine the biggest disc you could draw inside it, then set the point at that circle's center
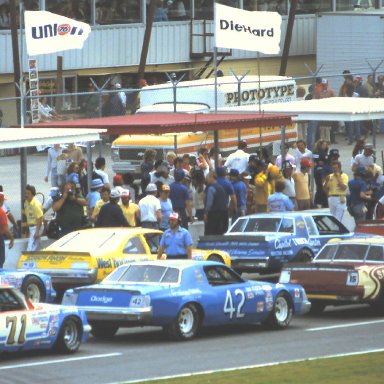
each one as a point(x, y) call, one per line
point(166, 206)
point(180, 197)
point(239, 159)
point(359, 195)
point(278, 202)
point(289, 183)
point(111, 214)
point(4, 231)
point(130, 210)
point(303, 195)
point(215, 207)
point(175, 241)
point(35, 217)
point(150, 208)
point(94, 195)
point(335, 186)
point(364, 159)
point(240, 192)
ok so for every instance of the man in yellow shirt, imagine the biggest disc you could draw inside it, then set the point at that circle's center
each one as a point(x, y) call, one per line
point(303, 195)
point(130, 210)
point(105, 192)
point(335, 186)
point(34, 213)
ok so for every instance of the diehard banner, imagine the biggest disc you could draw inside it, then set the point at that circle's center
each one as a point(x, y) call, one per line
point(250, 31)
point(47, 32)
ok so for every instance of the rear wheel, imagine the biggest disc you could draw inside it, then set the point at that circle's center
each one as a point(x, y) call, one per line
point(216, 258)
point(186, 324)
point(282, 312)
point(33, 289)
point(104, 331)
point(70, 334)
point(304, 256)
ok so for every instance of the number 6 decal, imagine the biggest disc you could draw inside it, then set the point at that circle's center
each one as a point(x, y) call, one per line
point(230, 308)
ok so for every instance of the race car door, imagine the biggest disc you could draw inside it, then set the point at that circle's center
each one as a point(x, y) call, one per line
point(235, 300)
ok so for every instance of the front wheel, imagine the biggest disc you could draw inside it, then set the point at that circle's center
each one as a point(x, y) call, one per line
point(104, 331)
point(70, 334)
point(282, 312)
point(33, 289)
point(186, 324)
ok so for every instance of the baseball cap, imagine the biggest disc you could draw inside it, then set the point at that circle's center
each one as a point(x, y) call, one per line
point(151, 188)
point(306, 162)
point(324, 81)
point(234, 172)
point(118, 179)
point(358, 78)
point(247, 177)
point(117, 85)
point(124, 193)
point(253, 158)
point(173, 216)
point(334, 152)
point(115, 194)
point(369, 146)
point(165, 188)
point(179, 174)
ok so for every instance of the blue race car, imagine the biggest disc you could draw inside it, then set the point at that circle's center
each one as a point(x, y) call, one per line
point(183, 295)
point(26, 326)
point(264, 242)
point(36, 286)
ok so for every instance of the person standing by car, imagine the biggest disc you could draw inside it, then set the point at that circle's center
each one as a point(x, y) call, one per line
point(335, 186)
point(301, 178)
point(238, 159)
point(130, 209)
point(278, 202)
point(69, 208)
point(166, 206)
point(180, 197)
point(240, 192)
point(175, 241)
point(4, 231)
point(34, 212)
point(150, 208)
point(111, 214)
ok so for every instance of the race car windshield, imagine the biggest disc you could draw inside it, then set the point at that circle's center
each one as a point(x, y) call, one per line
point(263, 224)
point(144, 274)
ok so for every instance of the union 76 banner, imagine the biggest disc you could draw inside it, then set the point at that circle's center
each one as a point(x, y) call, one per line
point(251, 31)
point(47, 32)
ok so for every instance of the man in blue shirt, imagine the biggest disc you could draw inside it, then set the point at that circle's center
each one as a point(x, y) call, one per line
point(278, 202)
point(240, 192)
point(176, 241)
point(358, 195)
point(181, 201)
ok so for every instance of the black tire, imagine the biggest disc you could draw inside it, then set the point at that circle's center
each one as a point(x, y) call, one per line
point(34, 289)
point(186, 324)
point(317, 308)
point(216, 257)
point(282, 312)
point(304, 256)
point(104, 331)
point(70, 335)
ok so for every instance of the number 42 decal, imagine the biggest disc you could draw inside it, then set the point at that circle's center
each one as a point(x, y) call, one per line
point(229, 308)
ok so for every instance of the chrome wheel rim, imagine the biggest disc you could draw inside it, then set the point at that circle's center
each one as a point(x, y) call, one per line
point(281, 309)
point(186, 320)
point(33, 293)
point(70, 336)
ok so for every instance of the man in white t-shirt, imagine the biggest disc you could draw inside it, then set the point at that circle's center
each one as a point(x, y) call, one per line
point(99, 169)
point(150, 208)
point(301, 152)
point(364, 159)
point(239, 159)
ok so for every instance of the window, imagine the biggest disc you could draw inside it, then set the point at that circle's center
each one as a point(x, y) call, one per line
point(118, 11)
point(375, 253)
point(327, 253)
point(221, 275)
point(134, 246)
point(179, 10)
point(9, 301)
point(5, 12)
point(74, 9)
point(351, 252)
point(264, 224)
point(328, 225)
point(311, 227)
point(314, 6)
point(153, 241)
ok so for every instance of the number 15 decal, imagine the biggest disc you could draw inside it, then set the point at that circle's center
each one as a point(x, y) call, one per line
point(230, 308)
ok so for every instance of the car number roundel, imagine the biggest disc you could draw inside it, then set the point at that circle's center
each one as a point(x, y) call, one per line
point(230, 308)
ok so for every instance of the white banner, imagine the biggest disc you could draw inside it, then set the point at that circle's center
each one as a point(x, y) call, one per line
point(251, 31)
point(46, 32)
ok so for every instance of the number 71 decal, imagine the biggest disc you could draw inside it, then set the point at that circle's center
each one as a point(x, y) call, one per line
point(12, 322)
point(230, 308)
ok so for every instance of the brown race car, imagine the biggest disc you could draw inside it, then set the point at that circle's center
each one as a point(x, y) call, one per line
point(343, 272)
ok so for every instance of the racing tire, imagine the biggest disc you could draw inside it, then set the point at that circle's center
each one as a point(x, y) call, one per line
point(70, 335)
point(33, 289)
point(186, 324)
point(317, 308)
point(304, 256)
point(216, 258)
point(104, 331)
point(282, 312)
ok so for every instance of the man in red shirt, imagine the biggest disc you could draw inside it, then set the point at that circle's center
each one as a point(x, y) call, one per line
point(4, 231)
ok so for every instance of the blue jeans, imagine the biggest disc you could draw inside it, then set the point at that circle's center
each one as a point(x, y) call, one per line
point(313, 127)
point(353, 130)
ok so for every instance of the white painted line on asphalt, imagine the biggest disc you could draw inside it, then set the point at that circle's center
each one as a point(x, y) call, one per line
point(69, 360)
point(252, 366)
point(345, 325)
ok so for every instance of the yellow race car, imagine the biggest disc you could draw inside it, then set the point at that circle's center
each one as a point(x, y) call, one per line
point(87, 256)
